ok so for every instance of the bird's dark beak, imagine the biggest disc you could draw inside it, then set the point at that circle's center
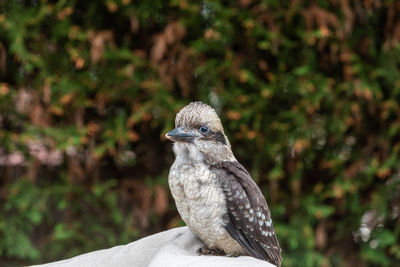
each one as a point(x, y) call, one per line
point(179, 135)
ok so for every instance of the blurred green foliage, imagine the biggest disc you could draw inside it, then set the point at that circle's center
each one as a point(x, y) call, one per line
point(308, 91)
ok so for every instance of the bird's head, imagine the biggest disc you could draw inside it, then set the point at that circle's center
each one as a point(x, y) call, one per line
point(199, 134)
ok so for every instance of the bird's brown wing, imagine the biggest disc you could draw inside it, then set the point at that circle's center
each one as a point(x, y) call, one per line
point(248, 219)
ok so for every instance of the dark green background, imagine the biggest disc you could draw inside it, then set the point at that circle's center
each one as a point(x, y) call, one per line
point(308, 92)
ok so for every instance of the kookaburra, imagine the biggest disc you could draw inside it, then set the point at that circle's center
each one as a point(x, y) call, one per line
point(214, 194)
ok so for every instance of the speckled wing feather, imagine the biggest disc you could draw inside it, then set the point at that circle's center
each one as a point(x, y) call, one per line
point(248, 219)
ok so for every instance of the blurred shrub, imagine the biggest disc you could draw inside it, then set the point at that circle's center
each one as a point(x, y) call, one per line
point(308, 91)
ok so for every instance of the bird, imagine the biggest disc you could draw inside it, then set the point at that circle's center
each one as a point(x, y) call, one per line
point(214, 194)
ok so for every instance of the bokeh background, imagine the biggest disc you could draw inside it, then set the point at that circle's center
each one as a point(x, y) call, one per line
point(308, 92)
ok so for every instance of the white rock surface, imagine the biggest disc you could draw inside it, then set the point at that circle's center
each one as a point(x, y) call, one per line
point(172, 248)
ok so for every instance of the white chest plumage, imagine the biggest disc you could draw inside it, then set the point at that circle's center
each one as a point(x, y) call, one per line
point(199, 199)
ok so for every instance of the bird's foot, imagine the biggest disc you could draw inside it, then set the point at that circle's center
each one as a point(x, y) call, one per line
point(211, 251)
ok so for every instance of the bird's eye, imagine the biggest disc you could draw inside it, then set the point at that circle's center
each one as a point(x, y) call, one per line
point(204, 129)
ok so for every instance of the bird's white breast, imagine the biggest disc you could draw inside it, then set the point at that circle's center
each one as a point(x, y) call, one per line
point(199, 198)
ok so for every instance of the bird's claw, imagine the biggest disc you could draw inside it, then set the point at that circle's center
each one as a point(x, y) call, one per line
point(210, 251)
